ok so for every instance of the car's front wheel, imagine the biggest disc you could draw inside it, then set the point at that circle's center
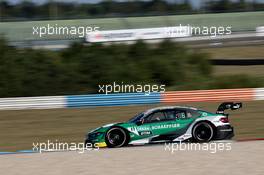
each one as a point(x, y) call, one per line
point(116, 137)
point(203, 132)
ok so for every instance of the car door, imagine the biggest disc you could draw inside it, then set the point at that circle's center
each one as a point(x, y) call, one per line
point(175, 123)
point(160, 125)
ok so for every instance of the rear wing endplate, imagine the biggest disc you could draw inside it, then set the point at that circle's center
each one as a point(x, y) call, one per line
point(228, 105)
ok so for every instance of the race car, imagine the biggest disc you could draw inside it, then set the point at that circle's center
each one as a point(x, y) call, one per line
point(166, 124)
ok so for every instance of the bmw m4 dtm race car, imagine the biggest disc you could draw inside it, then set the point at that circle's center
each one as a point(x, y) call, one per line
point(166, 124)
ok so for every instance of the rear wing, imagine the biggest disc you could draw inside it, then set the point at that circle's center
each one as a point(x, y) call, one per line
point(228, 105)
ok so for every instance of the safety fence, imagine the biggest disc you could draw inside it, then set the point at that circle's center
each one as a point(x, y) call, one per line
point(124, 99)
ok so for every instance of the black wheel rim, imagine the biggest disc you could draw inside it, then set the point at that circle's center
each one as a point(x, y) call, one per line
point(116, 137)
point(203, 132)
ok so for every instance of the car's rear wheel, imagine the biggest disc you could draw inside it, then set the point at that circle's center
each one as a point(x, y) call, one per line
point(116, 137)
point(203, 132)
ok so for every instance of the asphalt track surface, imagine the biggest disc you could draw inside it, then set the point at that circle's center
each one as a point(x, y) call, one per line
point(243, 158)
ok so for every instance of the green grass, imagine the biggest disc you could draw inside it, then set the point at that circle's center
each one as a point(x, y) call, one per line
point(238, 52)
point(241, 52)
point(19, 31)
point(19, 129)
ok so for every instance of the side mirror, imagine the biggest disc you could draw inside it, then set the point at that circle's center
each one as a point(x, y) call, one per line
point(139, 122)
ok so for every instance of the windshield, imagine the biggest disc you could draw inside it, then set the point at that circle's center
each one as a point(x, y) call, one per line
point(136, 118)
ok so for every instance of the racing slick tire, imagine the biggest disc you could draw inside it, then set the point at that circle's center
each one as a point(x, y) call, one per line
point(116, 137)
point(202, 132)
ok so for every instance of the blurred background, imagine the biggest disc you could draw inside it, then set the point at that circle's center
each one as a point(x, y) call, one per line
point(69, 65)
point(42, 65)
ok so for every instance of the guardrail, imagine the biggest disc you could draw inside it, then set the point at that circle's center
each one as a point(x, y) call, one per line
point(124, 99)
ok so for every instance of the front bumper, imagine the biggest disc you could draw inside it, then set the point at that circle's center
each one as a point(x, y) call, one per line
point(224, 132)
point(96, 139)
point(95, 144)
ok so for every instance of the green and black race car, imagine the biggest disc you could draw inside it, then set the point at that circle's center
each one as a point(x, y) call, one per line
point(166, 124)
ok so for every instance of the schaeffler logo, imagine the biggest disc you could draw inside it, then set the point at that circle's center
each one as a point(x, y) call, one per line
point(130, 88)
